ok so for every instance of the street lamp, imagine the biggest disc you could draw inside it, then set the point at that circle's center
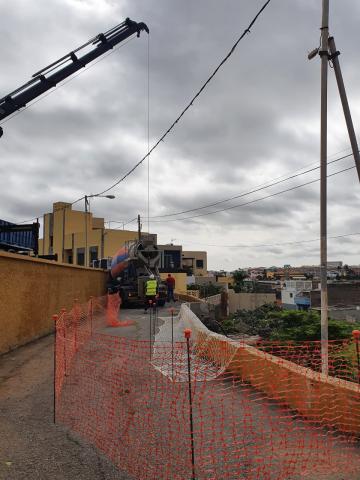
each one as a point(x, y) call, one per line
point(87, 210)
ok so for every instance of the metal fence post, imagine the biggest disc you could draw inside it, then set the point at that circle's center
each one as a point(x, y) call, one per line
point(356, 335)
point(172, 343)
point(150, 320)
point(187, 333)
point(63, 313)
point(91, 316)
point(55, 319)
point(75, 324)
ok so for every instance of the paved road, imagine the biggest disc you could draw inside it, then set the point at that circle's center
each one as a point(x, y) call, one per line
point(140, 330)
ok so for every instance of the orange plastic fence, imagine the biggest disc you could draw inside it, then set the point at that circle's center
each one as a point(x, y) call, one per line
point(131, 401)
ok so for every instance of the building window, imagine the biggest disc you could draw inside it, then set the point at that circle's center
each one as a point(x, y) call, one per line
point(80, 254)
point(291, 295)
point(199, 263)
point(93, 254)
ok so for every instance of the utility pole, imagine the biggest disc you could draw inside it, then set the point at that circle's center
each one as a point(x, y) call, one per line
point(328, 52)
point(139, 228)
point(86, 235)
point(324, 54)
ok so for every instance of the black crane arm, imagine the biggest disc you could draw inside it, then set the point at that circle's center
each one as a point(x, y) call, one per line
point(67, 65)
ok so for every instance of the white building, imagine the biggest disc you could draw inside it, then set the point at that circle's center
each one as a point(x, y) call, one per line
point(292, 289)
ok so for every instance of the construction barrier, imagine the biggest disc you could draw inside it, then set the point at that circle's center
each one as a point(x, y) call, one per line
point(206, 407)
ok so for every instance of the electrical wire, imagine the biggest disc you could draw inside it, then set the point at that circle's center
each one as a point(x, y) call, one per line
point(255, 190)
point(161, 139)
point(257, 187)
point(257, 245)
point(253, 201)
point(190, 104)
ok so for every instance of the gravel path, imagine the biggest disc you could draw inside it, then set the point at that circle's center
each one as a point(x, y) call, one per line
point(31, 446)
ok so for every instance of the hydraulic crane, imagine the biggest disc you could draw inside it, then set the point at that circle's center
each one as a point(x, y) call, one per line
point(50, 76)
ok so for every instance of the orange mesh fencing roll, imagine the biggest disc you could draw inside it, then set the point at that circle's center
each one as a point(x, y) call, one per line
point(269, 414)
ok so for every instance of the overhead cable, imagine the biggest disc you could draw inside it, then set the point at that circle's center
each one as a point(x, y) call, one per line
point(278, 244)
point(199, 92)
point(251, 201)
point(257, 189)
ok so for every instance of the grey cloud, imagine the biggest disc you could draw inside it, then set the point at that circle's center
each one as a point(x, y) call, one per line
point(257, 120)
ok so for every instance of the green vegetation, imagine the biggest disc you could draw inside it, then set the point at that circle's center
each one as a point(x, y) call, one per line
point(272, 323)
point(295, 326)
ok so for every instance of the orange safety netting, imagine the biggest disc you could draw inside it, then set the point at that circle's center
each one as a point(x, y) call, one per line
point(268, 414)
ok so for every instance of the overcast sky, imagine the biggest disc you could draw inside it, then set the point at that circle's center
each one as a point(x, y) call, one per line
point(257, 121)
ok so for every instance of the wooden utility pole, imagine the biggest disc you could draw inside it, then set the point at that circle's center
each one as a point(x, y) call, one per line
point(324, 54)
point(344, 101)
point(139, 228)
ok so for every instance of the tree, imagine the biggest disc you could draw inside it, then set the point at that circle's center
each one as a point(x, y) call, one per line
point(239, 276)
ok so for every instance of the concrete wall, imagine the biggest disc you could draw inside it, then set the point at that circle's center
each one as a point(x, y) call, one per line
point(32, 290)
point(338, 294)
point(330, 401)
point(350, 315)
point(326, 400)
point(248, 301)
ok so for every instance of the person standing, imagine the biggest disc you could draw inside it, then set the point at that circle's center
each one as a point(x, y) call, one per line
point(170, 283)
point(150, 291)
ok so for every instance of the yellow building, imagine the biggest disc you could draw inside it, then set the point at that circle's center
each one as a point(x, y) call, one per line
point(66, 232)
point(226, 280)
point(195, 262)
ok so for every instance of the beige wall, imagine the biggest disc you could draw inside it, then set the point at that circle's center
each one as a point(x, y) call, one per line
point(195, 255)
point(248, 301)
point(32, 290)
point(228, 280)
point(180, 281)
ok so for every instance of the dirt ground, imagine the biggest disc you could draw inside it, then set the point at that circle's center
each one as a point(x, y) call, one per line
point(31, 446)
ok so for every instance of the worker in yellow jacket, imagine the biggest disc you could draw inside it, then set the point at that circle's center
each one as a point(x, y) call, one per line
point(150, 291)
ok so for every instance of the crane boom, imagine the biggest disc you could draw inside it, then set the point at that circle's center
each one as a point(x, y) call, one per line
point(66, 66)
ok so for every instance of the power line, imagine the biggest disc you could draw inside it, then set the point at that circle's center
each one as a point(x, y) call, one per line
point(256, 189)
point(199, 92)
point(252, 201)
point(123, 223)
point(257, 245)
point(59, 210)
point(161, 139)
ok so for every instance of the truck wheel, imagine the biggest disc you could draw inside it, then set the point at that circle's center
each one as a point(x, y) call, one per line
point(123, 298)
